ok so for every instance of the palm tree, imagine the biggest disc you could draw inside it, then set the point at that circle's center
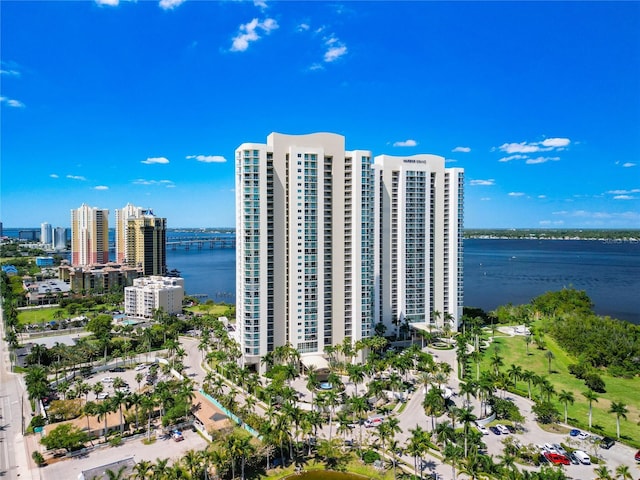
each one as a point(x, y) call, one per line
point(566, 398)
point(623, 472)
point(119, 475)
point(602, 473)
point(550, 356)
point(417, 445)
point(453, 454)
point(142, 470)
point(118, 400)
point(466, 417)
point(496, 361)
point(529, 377)
point(37, 383)
point(620, 409)
point(515, 373)
point(527, 341)
point(103, 410)
point(591, 396)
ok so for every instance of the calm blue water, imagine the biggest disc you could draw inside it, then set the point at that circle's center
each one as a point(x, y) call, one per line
point(497, 272)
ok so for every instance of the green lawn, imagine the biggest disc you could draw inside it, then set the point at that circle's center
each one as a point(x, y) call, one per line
point(38, 315)
point(513, 351)
point(212, 309)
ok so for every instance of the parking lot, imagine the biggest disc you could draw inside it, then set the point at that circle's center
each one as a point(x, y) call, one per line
point(164, 447)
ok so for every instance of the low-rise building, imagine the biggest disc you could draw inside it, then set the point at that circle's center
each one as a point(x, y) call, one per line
point(149, 294)
point(97, 278)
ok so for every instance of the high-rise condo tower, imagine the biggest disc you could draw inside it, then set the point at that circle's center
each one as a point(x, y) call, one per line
point(89, 236)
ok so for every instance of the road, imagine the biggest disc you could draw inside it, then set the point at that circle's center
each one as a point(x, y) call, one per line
point(15, 414)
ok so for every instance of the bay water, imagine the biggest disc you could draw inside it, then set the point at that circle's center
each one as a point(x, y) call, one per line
point(496, 272)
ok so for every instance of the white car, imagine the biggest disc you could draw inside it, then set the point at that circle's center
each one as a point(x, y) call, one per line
point(102, 396)
point(107, 380)
point(502, 429)
point(583, 436)
point(549, 448)
point(142, 366)
point(482, 429)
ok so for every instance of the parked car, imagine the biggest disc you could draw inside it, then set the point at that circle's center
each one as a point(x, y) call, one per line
point(558, 448)
point(549, 448)
point(637, 457)
point(573, 459)
point(142, 366)
point(494, 430)
point(503, 430)
point(107, 380)
point(583, 457)
point(117, 369)
point(607, 443)
point(583, 436)
point(373, 422)
point(102, 396)
point(557, 459)
point(177, 436)
point(482, 429)
point(574, 432)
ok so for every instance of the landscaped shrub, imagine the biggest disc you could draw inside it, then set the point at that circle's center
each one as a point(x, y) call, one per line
point(579, 370)
point(595, 383)
point(370, 456)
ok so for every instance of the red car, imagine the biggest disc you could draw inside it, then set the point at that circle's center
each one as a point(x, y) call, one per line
point(637, 457)
point(557, 458)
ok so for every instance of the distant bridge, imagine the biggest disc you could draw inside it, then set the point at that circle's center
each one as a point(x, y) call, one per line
point(202, 242)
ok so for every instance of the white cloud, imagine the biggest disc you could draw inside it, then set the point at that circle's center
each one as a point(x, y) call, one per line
point(110, 3)
point(336, 49)
point(531, 147)
point(461, 149)
point(624, 192)
point(516, 194)
point(76, 177)
point(542, 196)
point(162, 183)
point(551, 222)
point(512, 157)
point(556, 142)
point(248, 33)
point(488, 182)
point(10, 73)
point(522, 147)
point(534, 161)
point(101, 187)
point(485, 199)
point(260, 4)
point(628, 164)
point(303, 27)
point(207, 158)
point(407, 143)
point(170, 4)
point(334, 53)
point(11, 102)
point(152, 160)
point(624, 197)
point(54, 175)
point(316, 66)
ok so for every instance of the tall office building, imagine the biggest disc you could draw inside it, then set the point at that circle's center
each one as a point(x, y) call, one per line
point(60, 239)
point(304, 218)
point(46, 234)
point(331, 243)
point(418, 242)
point(141, 240)
point(89, 236)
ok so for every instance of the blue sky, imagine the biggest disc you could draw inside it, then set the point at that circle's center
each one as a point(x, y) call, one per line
point(109, 103)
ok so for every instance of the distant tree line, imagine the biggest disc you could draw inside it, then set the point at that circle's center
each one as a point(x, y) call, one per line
point(535, 233)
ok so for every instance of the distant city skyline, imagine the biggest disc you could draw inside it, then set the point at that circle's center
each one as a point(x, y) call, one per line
point(115, 102)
